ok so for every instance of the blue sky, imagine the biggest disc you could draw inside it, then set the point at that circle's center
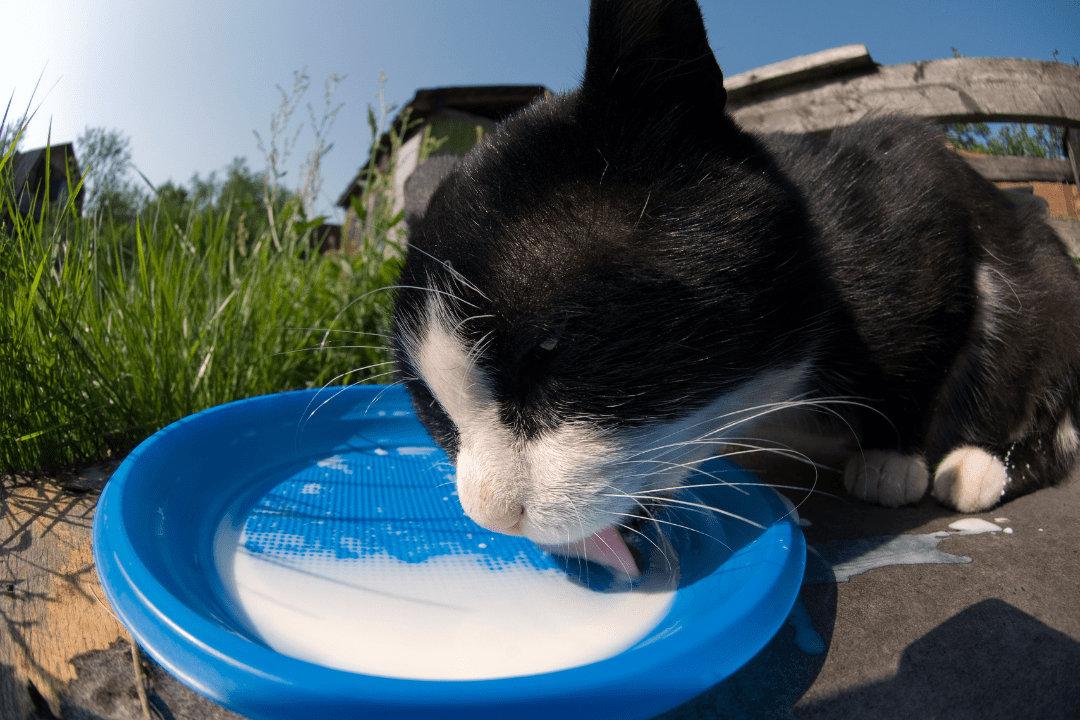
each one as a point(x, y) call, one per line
point(189, 82)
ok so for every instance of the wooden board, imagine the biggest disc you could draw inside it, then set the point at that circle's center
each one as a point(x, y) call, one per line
point(62, 652)
point(1072, 151)
point(1009, 168)
point(952, 90)
point(51, 603)
point(798, 70)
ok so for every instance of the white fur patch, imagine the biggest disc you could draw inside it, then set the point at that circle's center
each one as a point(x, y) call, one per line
point(990, 304)
point(970, 479)
point(885, 477)
point(577, 479)
point(489, 491)
point(994, 300)
point(1067, 438)
point(549, 489)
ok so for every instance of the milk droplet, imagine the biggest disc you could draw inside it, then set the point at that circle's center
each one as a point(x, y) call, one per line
point(973, 526)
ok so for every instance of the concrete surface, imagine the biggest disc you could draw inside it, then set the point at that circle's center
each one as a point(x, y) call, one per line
point(983, 626)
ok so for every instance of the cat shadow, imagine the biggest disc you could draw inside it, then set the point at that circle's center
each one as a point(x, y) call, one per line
point(990, 661)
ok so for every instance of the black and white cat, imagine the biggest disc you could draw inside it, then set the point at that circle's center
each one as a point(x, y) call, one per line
point(619, 282)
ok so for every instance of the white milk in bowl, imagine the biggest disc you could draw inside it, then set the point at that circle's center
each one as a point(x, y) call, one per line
point(365, 562)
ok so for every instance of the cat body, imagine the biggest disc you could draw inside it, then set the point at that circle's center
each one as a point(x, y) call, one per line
point(619, 282)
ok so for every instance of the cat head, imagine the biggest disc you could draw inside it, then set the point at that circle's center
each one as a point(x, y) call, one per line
point(603, 285)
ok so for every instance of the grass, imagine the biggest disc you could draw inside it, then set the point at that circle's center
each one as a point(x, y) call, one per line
point(110, 331)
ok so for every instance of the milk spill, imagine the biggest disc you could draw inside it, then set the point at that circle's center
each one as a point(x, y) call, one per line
point(846, 558)
point(974, 526)
point(451, 617)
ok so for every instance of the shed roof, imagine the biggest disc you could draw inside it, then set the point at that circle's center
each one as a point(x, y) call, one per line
point(493, 102)
point(29, 171)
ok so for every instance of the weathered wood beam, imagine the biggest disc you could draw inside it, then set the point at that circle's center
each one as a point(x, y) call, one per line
point(844, 60)
point(1009, 168)
point(50, 598)
point(952, 90)
point(1072, 151)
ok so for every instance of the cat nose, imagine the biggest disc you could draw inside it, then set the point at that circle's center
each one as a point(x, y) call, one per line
point(508, 521)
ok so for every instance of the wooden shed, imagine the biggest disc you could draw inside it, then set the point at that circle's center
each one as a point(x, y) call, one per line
point(55, 164)
point(456, 117)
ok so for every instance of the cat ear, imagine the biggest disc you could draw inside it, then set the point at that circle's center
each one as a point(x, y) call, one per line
point(650, 59)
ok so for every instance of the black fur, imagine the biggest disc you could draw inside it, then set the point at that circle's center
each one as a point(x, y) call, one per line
point(671, 256)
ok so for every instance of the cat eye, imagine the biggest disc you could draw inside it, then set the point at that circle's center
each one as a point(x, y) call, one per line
point(549, 344)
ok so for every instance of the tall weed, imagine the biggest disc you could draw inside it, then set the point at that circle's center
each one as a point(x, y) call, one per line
point(112, 330)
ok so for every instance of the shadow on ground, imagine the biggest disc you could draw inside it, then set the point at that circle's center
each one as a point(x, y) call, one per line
point(989, 662)
point(105, 689)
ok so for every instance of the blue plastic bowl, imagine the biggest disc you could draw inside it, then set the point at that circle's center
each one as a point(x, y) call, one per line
point(153, 545)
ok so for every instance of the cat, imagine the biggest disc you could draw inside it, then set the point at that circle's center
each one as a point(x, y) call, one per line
point(620, 282)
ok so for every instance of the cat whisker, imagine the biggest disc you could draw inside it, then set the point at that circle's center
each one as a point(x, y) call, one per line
point(702, 506)
point(348, 332)
point(469, 319)
point(474, 354)
point(781, 450)
point(756, 413)
point(684, 527)
point(308, 416)
point(613, 553)
point(692, 467)
point(647, 198)
point(584, 550)
point(391, 287)
point(649, 540)
point(746, 449)
point(767, 408)
point(331, 347)
point(452, 270)
point(396, 383)
point(798, 488)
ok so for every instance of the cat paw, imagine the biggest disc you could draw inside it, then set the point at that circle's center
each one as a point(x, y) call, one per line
point(887, 478)
point(970, 479)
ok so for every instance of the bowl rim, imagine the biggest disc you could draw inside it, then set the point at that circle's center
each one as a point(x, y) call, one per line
point(255, 680)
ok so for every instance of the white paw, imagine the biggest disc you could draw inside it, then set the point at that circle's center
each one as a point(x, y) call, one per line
point(887, 478)
point(970, 480)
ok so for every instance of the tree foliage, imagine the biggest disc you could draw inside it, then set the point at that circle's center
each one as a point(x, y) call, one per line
point(1042, 141)
point(105, 157)
point(240, 186)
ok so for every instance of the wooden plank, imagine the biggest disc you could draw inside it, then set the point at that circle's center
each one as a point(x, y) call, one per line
point(61, 650)
point(798, 70)
point(952, 90)
point(50, 599)
point(1008, 168)
point(1072, 151)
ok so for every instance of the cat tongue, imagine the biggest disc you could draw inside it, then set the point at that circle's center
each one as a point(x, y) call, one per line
point(605, 547)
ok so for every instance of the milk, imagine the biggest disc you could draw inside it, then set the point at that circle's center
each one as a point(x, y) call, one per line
point(328, 569)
